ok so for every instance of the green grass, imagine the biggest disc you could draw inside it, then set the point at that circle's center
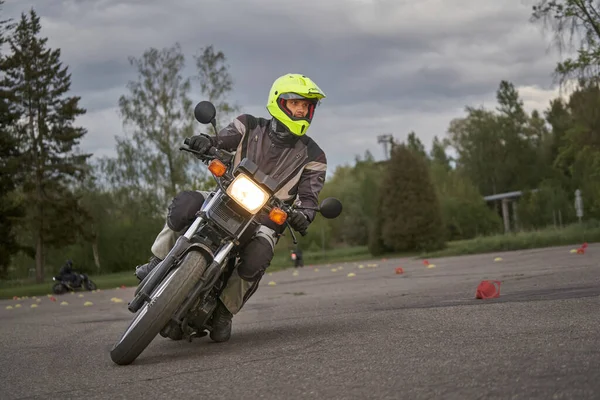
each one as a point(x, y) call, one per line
point(571, 235)
point(281, 260)
point(9, 289)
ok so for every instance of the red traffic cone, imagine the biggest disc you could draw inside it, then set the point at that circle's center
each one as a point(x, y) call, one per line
point(488, 289)
point(399, 271)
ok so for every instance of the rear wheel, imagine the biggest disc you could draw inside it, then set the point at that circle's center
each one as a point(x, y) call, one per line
point(153, 316)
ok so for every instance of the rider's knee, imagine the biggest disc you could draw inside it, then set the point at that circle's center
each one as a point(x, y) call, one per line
point(183, 208)
point(255, 259)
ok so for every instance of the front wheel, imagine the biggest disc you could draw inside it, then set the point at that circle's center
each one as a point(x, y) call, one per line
point(153, 316)
point(59, 288)
point(89, 285)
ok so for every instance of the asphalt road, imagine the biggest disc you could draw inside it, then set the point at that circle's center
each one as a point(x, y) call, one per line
point(324, 335)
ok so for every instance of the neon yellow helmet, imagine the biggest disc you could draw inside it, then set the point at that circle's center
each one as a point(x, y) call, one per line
point(293, 86)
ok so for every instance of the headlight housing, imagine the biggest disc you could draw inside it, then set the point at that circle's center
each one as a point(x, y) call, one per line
point(247, 193)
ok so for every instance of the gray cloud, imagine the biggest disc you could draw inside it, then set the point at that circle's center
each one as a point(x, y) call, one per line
point(386, 66)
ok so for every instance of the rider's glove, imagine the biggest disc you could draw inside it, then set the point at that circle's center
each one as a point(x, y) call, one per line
point(200, 143)
point(298, 221)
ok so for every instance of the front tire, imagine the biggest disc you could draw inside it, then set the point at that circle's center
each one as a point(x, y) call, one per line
point(153, 316)
point(59, 288)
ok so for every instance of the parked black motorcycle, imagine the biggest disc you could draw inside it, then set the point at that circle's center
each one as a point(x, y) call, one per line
point(177, 298)
point(64, 285)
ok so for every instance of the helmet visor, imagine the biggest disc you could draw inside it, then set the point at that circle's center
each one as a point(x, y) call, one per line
point(282, 102)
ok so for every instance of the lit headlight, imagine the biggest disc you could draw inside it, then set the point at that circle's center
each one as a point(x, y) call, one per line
point(247, 193)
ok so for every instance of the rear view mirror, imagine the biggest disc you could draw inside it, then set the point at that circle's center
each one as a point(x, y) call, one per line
point(330, 208)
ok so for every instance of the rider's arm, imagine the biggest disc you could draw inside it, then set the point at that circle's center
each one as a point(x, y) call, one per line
point(310, 185)
point(229, 137)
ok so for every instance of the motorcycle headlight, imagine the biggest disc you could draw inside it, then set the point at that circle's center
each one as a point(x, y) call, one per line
point(247, 193)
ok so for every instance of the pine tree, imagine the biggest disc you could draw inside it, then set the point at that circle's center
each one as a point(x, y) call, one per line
point(409, 209)
point(37, 84)
point(10, 210)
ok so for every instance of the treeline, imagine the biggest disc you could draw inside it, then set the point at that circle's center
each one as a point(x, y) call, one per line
point(57, 202)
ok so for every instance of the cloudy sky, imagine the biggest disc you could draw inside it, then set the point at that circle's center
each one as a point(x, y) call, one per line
point(387, 66)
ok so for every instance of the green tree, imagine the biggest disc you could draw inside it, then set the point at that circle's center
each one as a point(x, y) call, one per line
point(10, 209)
point(498, 151)
point(580, 153)
point(37, 84)
point(415, 145)
point(409, 210)
point(464, 212)
point(438, 154)
point(149, 166)
point(477, 140)
point(575, 20)
point(215, 81)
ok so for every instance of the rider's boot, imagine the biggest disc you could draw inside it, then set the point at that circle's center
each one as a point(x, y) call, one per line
point(221, 325)
point(142, 271)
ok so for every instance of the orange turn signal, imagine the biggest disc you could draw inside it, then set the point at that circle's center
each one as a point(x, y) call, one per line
point(278, 216)
point(217, 168)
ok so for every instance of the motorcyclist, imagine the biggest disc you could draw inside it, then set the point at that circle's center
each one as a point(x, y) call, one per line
point(67, 274)
point(280, 148)
point(297, 257)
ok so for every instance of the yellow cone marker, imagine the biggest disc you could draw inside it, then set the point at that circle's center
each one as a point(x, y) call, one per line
point(272, 283)
point(431, 266)
point(88, 303)
point(34, 305)
point(64, 303)
point(17, 306)
point(573, 251)
point(38, 300)
point(80, 296)
point(361, 266)
point(93, 291)
point(295, 273)
point(372, 265)
point(333, 269)
point(116, 300)
point(340, 267)
point(316, 269)
point(270, 274)
point(498, 259)
point(9, 307)
point(72, 292)
point(351, 274)
point(34, 297)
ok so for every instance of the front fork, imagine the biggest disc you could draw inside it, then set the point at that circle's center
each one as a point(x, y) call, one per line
point(161, 270)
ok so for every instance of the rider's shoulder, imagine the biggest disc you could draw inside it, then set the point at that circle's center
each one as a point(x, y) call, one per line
point(252, 122)
point(315, 152)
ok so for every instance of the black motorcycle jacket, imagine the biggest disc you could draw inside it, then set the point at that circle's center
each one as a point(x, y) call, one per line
point(297, 163)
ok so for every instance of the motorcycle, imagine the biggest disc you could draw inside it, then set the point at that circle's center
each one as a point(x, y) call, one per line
point(63, 286)
point(178, 297)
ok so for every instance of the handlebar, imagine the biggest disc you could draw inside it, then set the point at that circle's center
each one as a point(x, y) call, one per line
point(226, 156)
point(211, 153)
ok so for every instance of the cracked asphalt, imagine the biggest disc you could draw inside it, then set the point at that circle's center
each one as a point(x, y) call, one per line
point(324, 335)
